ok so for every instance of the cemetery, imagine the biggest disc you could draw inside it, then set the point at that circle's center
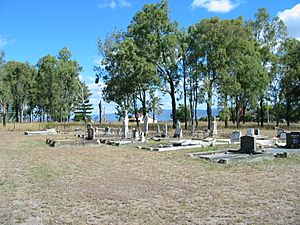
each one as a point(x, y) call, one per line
point(252, 146)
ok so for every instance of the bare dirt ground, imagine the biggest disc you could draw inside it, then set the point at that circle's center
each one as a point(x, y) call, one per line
point(121, 185)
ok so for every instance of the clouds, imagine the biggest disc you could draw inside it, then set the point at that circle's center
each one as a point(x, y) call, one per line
point(219, 6)
point(291, 18)
point(113, 4)
point(4, 41)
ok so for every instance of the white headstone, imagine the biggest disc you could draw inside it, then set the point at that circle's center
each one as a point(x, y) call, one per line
point(282, 136)
point(142, 137)
point(158, 131)
point(165, 130)
point(250, 132)
point(125, 125)
point(235, 136)
point(146, 124)
point(213, 128)
point(178, 131)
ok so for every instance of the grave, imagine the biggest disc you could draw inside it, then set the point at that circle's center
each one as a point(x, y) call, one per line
point(248, 145)
point(90, 133)
point(107, 131)
point(142, 137)
point(42, 132)
point(235, 136)
point(165, 131)
point(178, 131)
point(293, 140)
point(146, 124)
point(279, 131)
point(282, 136)
point(158, 133)
point(213, 128)
point(250, 132)
point(135, 134)
point(125, 125)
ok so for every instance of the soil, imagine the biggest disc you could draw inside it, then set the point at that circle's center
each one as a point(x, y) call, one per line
point(104, 184)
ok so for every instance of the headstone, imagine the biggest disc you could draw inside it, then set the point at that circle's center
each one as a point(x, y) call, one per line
point(146, 124)
point(178, 131)
point(293, 140)
point(158, 134)
point(91, 133)
point(192, 130)
point(213, 128)
point(235, 136)
point(282, 136)
point(256, 131)
point(206, 133)
point(135, 134)
point(248, 144)
point(125, 125)
point(107, 130)
point(165, 131)
point(279, 131)
point(142, 137)
point(250, 132)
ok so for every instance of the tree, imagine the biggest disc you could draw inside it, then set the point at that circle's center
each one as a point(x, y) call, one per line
point(269, 33)
point(20, 77)
point(155, 105)
point(157, 41)
point(84, 107)
point(5, 94)
point(290, 54)
point(69, 84)
point(210, 41)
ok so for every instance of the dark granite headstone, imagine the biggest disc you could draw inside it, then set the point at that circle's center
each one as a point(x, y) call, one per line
point(293, 140)
point(248, 145)
point(91, 133)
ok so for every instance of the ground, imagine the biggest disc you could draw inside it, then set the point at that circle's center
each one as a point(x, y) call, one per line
point(122, 185)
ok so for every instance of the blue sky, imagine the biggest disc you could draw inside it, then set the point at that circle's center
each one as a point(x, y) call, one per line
point(31, 29)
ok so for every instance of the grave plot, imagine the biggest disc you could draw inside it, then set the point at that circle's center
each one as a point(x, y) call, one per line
point(42, 132)
point(248, 150)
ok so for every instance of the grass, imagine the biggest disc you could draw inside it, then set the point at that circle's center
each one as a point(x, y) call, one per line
point(120, 185)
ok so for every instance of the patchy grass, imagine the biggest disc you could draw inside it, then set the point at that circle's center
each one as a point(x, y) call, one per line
point(120, 185)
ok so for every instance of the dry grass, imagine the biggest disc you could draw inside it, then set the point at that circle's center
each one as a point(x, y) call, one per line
point(111, 185)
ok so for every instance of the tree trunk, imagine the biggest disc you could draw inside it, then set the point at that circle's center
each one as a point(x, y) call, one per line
point(135, 111)
point(184, 93)
point(288, 110)
point(4, 114)
point(191, 102)
point(244, 114)
point(237, 114)
point(208, 110)
point(144, 103)
point(100, 112)
point(173, 99)
point(261, 104)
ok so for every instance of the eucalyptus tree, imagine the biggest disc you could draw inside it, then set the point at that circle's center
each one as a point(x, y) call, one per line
point(5, 94)
point(129, 76)
point(208, 57)
point(269, 34)
point(69, 84)
point(19, 77)
point(290, 55)
point(157, 42)
point(48, 87)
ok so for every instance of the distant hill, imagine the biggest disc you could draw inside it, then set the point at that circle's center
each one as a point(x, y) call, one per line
point(164, 116)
